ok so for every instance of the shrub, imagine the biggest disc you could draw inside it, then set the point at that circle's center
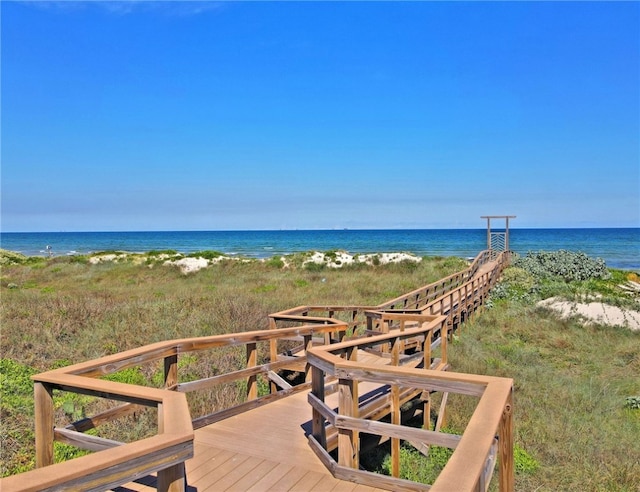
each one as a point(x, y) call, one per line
point(566, 265)
point(632, 402)
point(275, 262)
point(207, 255)
point(523, 462)
point(162, 252)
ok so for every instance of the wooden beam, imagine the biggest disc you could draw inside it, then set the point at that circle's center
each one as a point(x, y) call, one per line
point(84, 441)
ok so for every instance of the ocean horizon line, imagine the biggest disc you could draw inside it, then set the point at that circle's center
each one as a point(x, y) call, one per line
point(364, 229)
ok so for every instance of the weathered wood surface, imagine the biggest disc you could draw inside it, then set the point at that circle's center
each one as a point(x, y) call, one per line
point(264, 449)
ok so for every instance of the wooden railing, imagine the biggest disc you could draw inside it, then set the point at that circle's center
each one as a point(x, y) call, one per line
point(116, 463)
point(419, 321)
point(470, 467)
point(457, 296)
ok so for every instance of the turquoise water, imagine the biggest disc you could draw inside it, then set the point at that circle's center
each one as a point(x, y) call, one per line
point(620, 248)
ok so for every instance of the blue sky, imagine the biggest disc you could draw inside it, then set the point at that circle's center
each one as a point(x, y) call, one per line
point(314, 115)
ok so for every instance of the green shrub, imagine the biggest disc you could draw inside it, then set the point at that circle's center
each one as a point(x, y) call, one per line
point(207, 255)
point(632, 402)
point(275, 262)
point(523, 462)
point(130, 375)
point(314, 267)
point(12, 258)
point(161, 252)
point(566, 265)
point(263, 289)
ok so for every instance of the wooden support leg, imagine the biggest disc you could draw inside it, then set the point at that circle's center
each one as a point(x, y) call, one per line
point(43, 396)
point(252, 381)
point(171, 371)
point(505, 449)
point(442, 413)
point(172, 479)
point(348, 440)
point(317, 388)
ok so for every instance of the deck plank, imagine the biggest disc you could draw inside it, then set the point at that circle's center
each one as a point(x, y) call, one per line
point(257, 474)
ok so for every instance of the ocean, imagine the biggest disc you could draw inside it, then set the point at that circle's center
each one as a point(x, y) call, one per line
point(620, 248)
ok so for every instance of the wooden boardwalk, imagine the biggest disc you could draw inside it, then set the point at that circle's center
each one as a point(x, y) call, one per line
point(263, 449)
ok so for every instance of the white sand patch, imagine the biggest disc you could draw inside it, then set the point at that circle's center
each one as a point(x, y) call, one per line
point(342, 258)
point(385, 258)
point(94, 260)
point(189, 265)
point(594, 312)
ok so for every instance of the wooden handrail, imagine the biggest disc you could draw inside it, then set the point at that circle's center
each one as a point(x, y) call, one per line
point(165, 452)
point(466, 470)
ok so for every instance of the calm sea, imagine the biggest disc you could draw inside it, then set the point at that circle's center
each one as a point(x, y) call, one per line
point(620, 248)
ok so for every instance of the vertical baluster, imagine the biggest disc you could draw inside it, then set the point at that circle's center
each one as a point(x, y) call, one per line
point(252, 381)
point(171, 371)
point(395, 408)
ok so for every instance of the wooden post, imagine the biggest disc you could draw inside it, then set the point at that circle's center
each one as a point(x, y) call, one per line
point(252, 381)
point(308, 344)
point(43, 399)
point(426, 410)
point(273, 343)
point(444, 334)
point(171, 371)
point(395, 410)
point(273, 354)
point(317, 423)
point(384, 328)
point(348, 440)
point(505, 447)
point(173, 478)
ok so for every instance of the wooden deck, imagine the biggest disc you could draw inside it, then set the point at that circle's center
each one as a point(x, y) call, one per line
point(263, 449)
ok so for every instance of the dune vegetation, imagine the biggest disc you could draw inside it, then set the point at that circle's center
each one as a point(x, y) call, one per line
point(577, 387)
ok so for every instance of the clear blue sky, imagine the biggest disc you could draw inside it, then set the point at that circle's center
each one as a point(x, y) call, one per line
point(313, 115)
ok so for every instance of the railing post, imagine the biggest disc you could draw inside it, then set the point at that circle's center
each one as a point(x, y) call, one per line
point(173, 478)
point(43, 399)
point(395, 408)
point(273, 353)
point(348, 440)
point(252, 381)
point(444, 334)
point(308, 344)
point(317, 424)
point(505, 447)
point(273, 343)
point(171, 371)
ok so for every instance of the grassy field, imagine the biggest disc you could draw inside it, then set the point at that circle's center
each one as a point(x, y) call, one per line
point(574, 386)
